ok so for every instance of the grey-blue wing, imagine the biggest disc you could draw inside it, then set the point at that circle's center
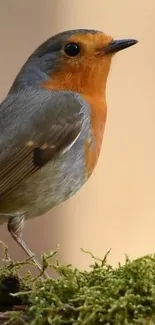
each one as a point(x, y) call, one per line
point(34, 127)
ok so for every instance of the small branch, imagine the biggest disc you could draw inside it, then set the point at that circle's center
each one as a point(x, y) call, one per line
point(5, 316)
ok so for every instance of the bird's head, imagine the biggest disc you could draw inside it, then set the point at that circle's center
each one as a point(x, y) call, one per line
point(77, 60)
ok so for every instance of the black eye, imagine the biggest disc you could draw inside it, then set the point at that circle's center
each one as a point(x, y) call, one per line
point(72, 49)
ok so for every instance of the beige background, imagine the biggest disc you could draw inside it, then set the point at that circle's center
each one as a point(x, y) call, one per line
point(116, 208)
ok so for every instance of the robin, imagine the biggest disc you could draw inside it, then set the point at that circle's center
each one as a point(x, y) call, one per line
point(52, 124)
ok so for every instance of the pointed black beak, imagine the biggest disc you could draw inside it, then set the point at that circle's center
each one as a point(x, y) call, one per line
point(119, 45)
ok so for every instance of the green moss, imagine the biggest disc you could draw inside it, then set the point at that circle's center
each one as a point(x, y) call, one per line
point(102, 295)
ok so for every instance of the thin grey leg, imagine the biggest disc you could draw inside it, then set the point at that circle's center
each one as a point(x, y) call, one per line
point(15, 227)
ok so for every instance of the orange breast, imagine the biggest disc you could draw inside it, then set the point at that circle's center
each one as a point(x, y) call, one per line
point(98, 120)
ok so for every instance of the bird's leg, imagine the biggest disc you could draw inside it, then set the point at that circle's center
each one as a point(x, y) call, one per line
point(15, 227)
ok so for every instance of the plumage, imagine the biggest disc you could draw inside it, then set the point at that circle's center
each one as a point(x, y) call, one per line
point(48, 130)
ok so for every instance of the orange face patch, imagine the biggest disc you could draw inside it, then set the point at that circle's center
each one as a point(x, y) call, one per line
point(86, 73)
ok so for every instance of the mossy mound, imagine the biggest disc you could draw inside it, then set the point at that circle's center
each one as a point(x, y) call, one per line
point(103, 295)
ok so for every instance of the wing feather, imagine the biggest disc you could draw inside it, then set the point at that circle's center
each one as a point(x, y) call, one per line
point(58, 132)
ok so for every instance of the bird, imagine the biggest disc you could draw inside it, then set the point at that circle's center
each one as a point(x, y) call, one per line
point(52, 123)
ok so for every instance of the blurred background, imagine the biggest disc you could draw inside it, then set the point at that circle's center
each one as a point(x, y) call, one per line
point(116, 207)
